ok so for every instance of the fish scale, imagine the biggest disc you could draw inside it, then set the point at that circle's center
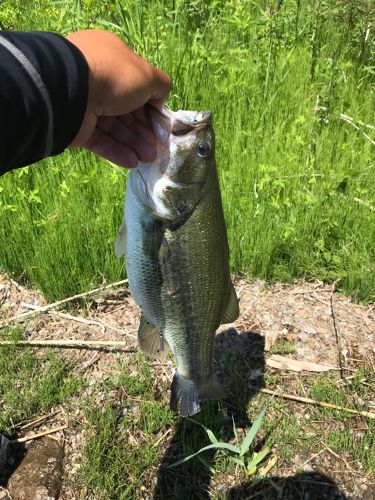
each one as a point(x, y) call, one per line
point(203, 280)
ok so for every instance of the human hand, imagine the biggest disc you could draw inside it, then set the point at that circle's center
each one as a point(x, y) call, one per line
point(115, 124)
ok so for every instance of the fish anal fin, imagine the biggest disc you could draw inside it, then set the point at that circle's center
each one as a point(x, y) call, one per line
point(120, 243)
point(149, 340)
point(232, 310)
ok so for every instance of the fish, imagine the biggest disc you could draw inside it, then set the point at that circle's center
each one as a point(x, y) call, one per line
point(177, 257)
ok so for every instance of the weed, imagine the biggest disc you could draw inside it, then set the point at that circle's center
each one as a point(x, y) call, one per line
point(242, 453)
point(30, 384)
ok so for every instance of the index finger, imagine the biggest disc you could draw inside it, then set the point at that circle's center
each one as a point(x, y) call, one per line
point(160, 88)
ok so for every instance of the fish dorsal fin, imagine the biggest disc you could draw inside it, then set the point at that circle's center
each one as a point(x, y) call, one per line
point(149, 340)
point(232, 310)
point(121, 241)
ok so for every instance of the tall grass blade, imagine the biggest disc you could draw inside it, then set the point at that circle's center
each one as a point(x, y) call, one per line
point(247, 442)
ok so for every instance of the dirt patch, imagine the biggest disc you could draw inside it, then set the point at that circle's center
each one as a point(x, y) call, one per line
point(321, 325)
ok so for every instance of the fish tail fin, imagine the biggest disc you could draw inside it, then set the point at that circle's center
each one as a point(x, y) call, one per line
point(212, 389)
point(185, 395)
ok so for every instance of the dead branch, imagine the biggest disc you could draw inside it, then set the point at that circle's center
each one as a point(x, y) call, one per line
point(300, 399)
point(163, 437)
point(90, 362)
point(23, 316)
point(69, 343)
point(79, 319)
point(364, 203)
point(40, 434)
point(38, 420)
point(312, 457)
point(338, 456)
point(337, 334)
point(350, 120)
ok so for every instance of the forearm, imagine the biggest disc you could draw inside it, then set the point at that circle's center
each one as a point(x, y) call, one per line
point(43, 96)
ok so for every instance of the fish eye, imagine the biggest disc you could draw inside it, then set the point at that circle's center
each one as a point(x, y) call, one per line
point(204, 150)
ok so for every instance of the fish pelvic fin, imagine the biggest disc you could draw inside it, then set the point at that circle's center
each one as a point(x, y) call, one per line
point(120, 243)
point(212, 389)
point(232, 310)
point(149, 340)
point(184, 396)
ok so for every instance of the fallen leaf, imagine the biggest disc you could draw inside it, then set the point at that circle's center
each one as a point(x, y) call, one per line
point(284, 363)
point(266, 468)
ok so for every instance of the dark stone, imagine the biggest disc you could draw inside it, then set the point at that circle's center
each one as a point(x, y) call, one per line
point(39, 475)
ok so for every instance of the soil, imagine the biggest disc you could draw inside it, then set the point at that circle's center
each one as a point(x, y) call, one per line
point(324, 326)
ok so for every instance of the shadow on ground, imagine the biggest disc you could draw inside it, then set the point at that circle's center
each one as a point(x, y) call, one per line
point(239, 363)
point(304, 486)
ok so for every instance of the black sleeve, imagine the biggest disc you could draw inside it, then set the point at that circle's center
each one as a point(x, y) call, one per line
point(43, 96)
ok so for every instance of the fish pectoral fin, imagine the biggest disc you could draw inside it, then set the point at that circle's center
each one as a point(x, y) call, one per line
point(120, 243)
point(232, 310)
point(212, 389)
point(149, 340)
point(184, 396)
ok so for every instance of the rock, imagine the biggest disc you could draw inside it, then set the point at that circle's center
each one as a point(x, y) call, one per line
point(309, 329)
point(39, 475)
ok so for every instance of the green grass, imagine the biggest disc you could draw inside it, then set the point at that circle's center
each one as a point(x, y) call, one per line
point(122, 438)
point(124, 453)
point(284, 347)
point(361, 446)
point(291, 174)
point(30, 384)
point(131, 436)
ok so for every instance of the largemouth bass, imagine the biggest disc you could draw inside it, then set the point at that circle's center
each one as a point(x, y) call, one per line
point(177, 259)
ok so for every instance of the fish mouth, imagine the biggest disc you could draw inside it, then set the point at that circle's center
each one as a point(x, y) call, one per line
point(178, 123)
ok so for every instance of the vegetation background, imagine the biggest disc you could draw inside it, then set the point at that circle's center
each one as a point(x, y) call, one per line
point(297, 175)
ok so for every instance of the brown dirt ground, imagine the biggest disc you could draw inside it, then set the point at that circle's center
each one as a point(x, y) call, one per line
point(320, 323)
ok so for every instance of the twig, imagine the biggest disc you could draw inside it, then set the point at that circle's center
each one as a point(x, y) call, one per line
point(90, 362)
point(337, 335)
point(300, 399)
point(312, 457)
point(169, 378)
point(162, 437)
point(40, 434)
point(364, 203)
point(79, 319)
point(66, 316)
point(314, 298)
point(23, 316)
point(68, 343)
point(337, 456)
point(349, 120)
point(38, 420)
